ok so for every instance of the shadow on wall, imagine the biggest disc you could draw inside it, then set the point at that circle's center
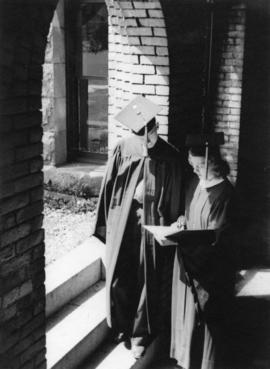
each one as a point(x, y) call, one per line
point(186, 27)
point(254, 150)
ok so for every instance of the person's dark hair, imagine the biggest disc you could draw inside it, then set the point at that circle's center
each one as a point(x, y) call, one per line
point(220, 166)
point(150, 126)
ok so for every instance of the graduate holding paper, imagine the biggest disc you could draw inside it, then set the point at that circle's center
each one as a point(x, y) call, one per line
point(203, 277)
point(142, 185)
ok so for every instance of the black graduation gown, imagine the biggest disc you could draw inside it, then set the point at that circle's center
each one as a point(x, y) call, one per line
point(203, 301)
point(161, 172)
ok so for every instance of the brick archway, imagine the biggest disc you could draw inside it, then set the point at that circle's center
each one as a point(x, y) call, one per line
point(24, 28)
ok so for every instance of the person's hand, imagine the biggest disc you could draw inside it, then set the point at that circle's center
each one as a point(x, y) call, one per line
point(181, 222)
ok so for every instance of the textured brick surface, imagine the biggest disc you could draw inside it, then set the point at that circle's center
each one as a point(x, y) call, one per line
point(145, 36)
point(24, 27)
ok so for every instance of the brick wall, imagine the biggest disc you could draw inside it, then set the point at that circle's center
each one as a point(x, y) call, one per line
point(159, 49)
point(24, 28)
point(187, 28)
point(228, 57)
point(138, 60)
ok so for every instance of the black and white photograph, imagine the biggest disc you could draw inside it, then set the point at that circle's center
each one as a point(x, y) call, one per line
point(135, 184)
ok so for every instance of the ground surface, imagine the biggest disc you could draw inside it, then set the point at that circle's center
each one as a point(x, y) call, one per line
point(68, 221)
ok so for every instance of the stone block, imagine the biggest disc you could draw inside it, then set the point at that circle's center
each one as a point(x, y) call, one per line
point(163, 129)
point(134, 13)
point(40, 358)
point(154, 60)
point(235, 111)
point(35, 134)
point(27, 152)
point(126, 5)
point(22, 121)
point(156, 80)
point(38, 251)
point(14, 105)
point(162, 90)
point(144, 50)
point(33, 103)
point(36, 164)
point(9, 341)
point(15, 234)
point(143, 89)
point(60, 147)
point(162, 51)
point(29, 212)
point(139, 31)
point(36, 194)
point(161, 32)
point(152, 22)
point(163, 122)
point(48, 146)
point(134, 40)
point(163, 71)
point(8, 313)
point(7, 253)
point(20, 263)
point(29, 241)
point(155, 13)
point(160, 100)
point(147, 5)
point(142, 69)
point(154, 41)
point(130, 22)
point(33, 325)
point(32, 350)
point(48, 80)
point(10, 297)
point(14, 279)
point(14, 203)
point(28, 182)
point(59, 80)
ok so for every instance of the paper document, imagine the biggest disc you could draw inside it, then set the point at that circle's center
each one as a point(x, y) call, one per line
point(160, 233)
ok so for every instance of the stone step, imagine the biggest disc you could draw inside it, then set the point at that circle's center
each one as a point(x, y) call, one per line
point(77, 329)
point(70, 275)
point(112, 356)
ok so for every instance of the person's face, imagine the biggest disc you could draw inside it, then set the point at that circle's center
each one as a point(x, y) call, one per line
point(152, 137)
point(198, 164)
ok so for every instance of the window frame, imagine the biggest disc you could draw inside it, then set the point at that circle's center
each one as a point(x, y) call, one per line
point(73, 69)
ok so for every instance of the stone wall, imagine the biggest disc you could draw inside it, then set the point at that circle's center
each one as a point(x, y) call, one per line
point(24, 28)
point(54, 92)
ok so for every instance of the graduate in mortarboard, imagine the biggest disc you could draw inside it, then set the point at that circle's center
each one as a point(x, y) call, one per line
point(142, 185)
point(203, 276)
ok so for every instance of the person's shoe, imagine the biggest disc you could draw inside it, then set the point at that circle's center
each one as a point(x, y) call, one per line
point(137, 351)
point(123, 337)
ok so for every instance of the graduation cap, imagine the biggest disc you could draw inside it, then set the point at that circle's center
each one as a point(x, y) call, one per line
point(138, 114)
point(205, 140)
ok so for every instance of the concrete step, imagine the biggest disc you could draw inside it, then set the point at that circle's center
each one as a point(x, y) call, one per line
point(77, 329)
point(112, 356)
point(70, 275)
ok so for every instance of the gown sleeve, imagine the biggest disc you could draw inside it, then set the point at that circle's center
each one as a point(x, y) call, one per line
point(210, 264)
point(105, 194)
